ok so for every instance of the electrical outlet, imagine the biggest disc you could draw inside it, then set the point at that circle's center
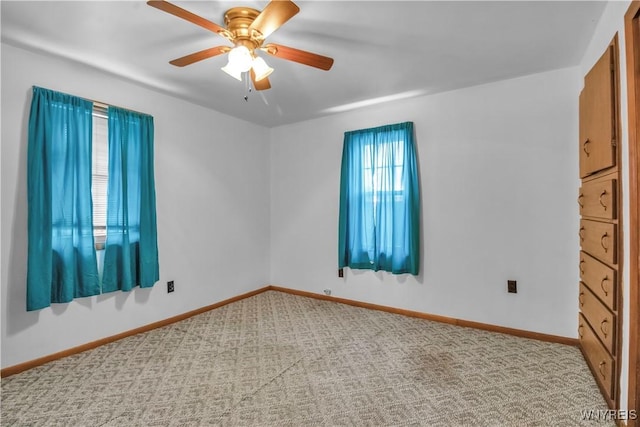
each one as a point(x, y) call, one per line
point(170, 286)
point(512, 287)
point(327, 291)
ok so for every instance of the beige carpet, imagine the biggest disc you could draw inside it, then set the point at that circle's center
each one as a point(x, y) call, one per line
point(282, 360)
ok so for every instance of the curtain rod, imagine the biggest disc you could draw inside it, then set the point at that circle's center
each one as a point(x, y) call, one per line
point(100, 104)
point(106, 106)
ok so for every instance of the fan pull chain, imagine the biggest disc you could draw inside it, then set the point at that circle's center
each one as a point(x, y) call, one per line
point(247, 86)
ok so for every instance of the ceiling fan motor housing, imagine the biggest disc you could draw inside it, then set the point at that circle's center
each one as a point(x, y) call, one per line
point(238, 20)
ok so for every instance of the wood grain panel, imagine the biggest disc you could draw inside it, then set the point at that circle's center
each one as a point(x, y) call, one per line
point(599, 239)
point(600, 361)
point(582, 110)
point(597, 148)
point(632, 42)
point(602, 321)
point(598, 199)
point(600, 279)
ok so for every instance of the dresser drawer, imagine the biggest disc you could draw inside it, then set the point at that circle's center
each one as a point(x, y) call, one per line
point(601, 362)
point(598, 239)
point(600, 278)
point(598, 199)
point(602, 321)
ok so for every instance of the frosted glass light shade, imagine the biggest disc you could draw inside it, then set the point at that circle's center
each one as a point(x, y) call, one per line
point(260, 68)
point(241, 58)
point(232, 71)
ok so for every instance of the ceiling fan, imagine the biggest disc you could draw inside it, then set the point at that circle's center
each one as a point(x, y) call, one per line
point(247, 29)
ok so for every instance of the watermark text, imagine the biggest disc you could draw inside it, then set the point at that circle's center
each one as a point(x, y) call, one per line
point(608, 415)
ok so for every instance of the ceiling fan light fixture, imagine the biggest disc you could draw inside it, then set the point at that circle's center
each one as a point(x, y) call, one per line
point(261, 69)
point(246, 28)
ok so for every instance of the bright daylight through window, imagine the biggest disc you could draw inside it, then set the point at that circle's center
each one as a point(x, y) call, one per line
point(99, 175)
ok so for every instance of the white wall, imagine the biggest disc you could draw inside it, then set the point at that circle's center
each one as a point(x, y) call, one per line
point(498, 168)
point(612, 21)
point(212, 204)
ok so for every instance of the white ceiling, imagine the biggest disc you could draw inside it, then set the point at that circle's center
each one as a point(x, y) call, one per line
point(381, 48)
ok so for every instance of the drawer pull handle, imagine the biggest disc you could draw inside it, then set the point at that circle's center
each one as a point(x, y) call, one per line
point(580, 197)
point(580, 266)
point(580, 327)
point(603, 242)
point(604, 328)
point(581, 298)
point(584, 147)
point(603, 363)
point(604, 280)
point(580, 234)
point(604, 193)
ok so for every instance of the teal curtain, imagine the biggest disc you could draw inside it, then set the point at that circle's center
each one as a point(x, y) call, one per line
point(379, 222)
point(61, 261)
point(131, 253)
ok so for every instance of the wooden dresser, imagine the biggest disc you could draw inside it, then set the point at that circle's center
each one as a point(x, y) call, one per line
point(600, 224)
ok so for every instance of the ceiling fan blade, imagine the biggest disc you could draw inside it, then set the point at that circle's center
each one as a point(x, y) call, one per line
point(262, 84)
point(299, 56)
point(199, 56)
point(186, 15)
point(273, 16)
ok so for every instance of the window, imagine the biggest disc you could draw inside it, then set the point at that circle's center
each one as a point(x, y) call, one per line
point(379, 200)
point(82, 162)
point(379, 161)
point(99, 175)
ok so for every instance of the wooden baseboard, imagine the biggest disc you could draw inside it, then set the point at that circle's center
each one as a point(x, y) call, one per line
point(442, 319)
point(12, 370)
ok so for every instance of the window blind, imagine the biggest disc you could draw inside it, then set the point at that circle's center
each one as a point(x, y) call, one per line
point(100, 172)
